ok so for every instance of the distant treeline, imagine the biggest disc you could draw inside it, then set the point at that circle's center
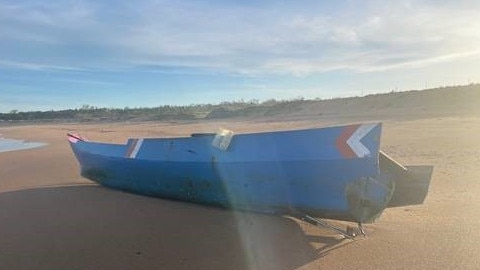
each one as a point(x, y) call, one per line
point(88, 113)
point(451, 100)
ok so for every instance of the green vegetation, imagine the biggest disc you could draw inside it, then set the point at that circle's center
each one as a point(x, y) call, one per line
point(440, 101)
point(88, 113)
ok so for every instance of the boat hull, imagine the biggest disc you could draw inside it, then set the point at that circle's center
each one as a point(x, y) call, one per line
point(326, 172)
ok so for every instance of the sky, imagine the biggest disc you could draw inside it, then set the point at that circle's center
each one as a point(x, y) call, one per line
point(63, 54)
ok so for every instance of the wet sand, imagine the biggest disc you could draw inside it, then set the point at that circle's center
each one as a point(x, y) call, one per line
point(51, 218)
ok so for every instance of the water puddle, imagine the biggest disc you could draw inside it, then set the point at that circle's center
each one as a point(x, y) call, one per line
point(7, 145)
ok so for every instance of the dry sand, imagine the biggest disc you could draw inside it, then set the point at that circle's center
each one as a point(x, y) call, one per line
point(51, 218)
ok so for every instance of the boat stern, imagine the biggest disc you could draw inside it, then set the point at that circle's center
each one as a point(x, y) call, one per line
point(411, 182)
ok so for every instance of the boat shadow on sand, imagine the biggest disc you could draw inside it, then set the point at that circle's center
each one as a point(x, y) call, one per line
point(91, 227)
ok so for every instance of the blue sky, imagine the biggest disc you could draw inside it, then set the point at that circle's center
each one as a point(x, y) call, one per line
point(63, 54)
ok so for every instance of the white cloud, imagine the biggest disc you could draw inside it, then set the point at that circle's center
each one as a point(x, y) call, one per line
point(44, 21)
point(37, 66)
point(250, 39)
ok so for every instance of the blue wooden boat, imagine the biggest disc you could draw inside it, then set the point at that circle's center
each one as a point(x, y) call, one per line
point(332, 172)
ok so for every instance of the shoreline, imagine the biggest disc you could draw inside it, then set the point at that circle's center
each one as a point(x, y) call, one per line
point(10, 145)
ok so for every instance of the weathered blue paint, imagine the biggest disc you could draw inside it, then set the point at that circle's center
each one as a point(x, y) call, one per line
point(267, 172)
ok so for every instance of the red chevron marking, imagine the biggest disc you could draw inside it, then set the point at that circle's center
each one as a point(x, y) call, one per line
point(342, 144)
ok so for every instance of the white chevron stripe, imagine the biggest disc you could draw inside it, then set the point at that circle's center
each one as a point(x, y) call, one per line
point(355, 140)
point(138, 144)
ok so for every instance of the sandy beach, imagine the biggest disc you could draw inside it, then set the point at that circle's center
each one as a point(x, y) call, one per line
point(52, 218)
